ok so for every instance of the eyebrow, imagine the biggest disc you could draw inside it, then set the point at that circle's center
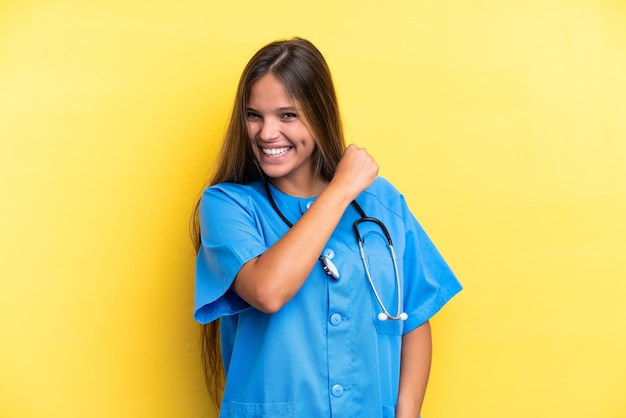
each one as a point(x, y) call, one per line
point(280, 109)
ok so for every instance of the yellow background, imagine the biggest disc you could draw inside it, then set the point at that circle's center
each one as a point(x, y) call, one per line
point(503, 122)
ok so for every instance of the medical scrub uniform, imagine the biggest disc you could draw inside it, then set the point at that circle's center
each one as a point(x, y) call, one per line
point(325, 353)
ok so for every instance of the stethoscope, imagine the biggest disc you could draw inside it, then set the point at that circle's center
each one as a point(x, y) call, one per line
point(331, 269)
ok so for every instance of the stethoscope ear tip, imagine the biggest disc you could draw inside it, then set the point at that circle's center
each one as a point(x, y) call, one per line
point(383, 316)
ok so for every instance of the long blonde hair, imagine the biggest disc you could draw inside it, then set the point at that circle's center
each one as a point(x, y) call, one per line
point(302, 69)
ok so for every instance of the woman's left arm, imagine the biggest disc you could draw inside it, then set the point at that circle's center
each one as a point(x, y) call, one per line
point(414, 371)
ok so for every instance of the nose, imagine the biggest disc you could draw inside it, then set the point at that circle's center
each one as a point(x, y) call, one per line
point(269, 130)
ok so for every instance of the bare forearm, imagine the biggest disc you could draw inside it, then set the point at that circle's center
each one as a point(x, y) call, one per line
point(269, 281)
point(414, 371)
point(272, 279)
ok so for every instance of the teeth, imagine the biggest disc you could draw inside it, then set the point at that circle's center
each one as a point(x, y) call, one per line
point(275, 151)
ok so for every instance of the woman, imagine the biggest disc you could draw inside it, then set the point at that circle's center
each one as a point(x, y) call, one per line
point(309, 328)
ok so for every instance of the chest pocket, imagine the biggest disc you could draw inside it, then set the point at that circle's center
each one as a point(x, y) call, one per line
point(383, 276)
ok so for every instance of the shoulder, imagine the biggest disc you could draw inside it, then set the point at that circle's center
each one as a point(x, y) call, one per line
point(382, 187)
point(383, 194)
point(233, 190)
point(383, 191)
point(230, 194)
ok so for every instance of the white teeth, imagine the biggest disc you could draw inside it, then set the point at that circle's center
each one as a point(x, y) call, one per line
point(275, 151)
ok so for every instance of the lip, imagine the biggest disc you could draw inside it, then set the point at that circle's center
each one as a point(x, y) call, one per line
point(275, 155)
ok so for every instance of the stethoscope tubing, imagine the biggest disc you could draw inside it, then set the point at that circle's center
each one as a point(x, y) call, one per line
point(332, 271)
point(385, 314)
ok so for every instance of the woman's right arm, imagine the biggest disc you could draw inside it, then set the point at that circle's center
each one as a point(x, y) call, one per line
point(269, 281)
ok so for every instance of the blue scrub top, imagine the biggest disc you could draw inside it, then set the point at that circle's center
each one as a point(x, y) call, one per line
point(325, 353)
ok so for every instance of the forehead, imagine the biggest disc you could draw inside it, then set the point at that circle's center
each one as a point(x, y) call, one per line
point(269, 90)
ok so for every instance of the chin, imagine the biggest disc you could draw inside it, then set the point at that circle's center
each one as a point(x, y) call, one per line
point(273, 174)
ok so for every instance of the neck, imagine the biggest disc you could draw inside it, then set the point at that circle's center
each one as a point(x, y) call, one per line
point(298, 188)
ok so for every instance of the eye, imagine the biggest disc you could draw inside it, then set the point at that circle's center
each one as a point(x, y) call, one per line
point(250, 115)
point(289, 115)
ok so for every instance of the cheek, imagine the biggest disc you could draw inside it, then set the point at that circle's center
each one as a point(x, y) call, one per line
point(305, 137)
point(250, 130)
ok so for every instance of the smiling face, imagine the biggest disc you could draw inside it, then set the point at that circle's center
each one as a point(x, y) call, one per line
point(281, 141)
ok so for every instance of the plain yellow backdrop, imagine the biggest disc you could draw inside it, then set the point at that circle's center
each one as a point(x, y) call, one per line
point(503, 123)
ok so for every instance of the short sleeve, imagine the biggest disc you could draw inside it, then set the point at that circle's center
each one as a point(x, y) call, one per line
point(230, 238)
point(429, 281)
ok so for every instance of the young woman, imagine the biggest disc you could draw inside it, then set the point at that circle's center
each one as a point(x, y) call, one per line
point(322, 279)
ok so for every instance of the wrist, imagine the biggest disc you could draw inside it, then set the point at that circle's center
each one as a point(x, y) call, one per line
point(338, 194)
